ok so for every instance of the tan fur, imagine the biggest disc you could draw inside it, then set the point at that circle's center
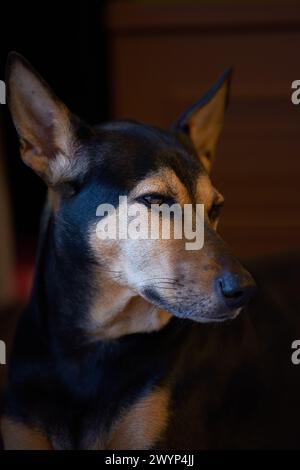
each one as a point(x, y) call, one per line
point(164, 181)
point(44, 127)
point(126, 266)
point(118, 311)
point(205, 126)
point(139, 427)
point(17, 436)
point(208, 195)
point(205, 190)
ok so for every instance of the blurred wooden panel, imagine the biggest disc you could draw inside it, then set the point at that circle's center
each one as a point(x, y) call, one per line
point(164, 58)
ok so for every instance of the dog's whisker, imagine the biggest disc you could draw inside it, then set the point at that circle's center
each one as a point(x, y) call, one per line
point(157, 284)
point(165, 281)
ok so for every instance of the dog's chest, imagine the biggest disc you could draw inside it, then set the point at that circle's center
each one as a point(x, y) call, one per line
point(138, 426)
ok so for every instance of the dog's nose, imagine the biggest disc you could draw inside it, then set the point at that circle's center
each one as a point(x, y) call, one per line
point(236, 290)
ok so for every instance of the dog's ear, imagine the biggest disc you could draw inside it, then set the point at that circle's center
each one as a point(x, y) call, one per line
point(203, 121)
point(43, 123)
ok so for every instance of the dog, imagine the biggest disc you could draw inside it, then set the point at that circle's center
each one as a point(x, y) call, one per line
point(115, 348)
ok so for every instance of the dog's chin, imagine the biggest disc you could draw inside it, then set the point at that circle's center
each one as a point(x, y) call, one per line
point(228, 316)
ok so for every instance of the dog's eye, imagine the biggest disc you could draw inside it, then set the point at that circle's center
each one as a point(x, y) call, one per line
point(149, 199)
point(215, 210)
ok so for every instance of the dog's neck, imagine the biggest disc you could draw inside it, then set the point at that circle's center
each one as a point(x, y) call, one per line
point(117, 311)
point(79, 302)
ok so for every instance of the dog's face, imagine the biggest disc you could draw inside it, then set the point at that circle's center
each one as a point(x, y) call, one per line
point(86, 166)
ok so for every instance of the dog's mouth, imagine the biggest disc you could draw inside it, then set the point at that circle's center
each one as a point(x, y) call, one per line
point(212, 317)
point(218, 314)
point(231, 315)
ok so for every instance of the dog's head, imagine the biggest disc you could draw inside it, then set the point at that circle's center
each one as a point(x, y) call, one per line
point(86, 166)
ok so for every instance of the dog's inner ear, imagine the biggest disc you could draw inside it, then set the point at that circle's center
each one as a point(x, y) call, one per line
point(42, 122)
point(203, 121)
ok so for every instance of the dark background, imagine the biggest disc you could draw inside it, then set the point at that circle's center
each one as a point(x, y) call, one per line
point(149, 61)
point(68, 47)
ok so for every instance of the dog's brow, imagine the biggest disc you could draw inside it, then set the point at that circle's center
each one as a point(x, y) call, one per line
point(166, 182)
point(150, 184)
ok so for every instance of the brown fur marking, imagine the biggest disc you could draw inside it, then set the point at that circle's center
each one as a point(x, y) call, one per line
point(18, 436)
point(140, 426)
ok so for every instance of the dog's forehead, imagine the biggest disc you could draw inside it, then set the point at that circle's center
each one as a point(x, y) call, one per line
point(137, 134)
point(133, 150)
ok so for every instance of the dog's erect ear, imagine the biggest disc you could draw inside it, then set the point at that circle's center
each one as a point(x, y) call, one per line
point(203, 121)
point(42, 121)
